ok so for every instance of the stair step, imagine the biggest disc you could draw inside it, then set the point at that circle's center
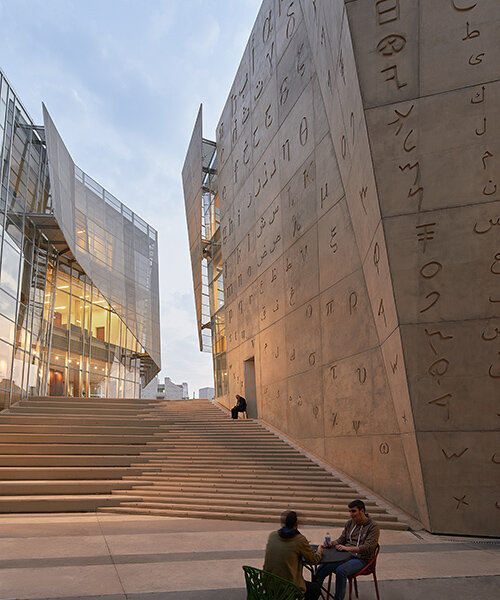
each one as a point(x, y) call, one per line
point(26, 473)
point(68, 438)
point(51, 504)
point(300, 504)
point(90, 420)
point(120, 449)
point(69, 486)
point(237, 491)
point(68, 460)
point(172, 458)
point(272, 516)
point(71, 410)
point(268, 481)
point(40, 428)
point(268, 474)
point(246, 487)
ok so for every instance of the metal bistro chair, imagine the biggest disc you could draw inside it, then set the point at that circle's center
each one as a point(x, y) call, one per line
point(262, 585)
point(369, 569)
point(243, 414)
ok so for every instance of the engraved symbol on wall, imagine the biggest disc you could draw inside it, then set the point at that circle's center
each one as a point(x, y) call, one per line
point(442, 337)
point(381, 311)
point(453, 455)
point(443, 402)
point(284, 91)
point(387, 11)
point(333, 243)
point(384, 448)
point(324, 193)
point(353, 302)
point(355, 425)
point(362, 196)
point(361, 374)
point(391, 44)
point(392, 75)
point(495, 265)
point(470, 34)
point(426, 234)
point(463, 6)
point(303, 131)
point(461, 501)
point(438, 369)
point(376, 257)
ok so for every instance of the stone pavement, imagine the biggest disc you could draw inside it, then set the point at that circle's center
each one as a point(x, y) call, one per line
point(116, 557)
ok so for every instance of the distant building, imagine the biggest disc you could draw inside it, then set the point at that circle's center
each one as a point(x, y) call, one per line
point(168, 390)
point(173, 391)
point(206, 392)
point(151, 390)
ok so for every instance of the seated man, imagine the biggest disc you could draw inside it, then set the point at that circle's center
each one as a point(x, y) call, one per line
point(360, 537)
point(284, 553)
point(241, 406)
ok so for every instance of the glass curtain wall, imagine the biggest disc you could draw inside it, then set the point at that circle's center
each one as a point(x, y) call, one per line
point(58, 334)
point(92, 353)
point(215, 275)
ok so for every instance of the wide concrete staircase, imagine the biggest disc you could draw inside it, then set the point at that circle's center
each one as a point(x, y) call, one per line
point(174, 458)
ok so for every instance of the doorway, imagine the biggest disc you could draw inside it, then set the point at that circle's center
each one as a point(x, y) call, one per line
point(250, 387)
point(56, 383)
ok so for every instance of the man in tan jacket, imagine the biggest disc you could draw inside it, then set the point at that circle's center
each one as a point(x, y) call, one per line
point(360, 538)
point(284, 553)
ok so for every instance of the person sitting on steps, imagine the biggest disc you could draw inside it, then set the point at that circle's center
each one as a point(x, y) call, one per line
point(241, 406)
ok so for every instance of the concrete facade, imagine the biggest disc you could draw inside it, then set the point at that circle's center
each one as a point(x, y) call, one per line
point(358, 165)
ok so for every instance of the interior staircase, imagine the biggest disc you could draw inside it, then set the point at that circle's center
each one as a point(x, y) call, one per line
point(179, 458)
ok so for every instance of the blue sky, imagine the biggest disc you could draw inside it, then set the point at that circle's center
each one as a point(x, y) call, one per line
point(123, 81)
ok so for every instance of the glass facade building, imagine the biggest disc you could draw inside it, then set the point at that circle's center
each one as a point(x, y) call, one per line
point(79, 301)
point(201, 195)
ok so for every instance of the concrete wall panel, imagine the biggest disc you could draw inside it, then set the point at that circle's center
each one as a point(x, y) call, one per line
point(360, 188)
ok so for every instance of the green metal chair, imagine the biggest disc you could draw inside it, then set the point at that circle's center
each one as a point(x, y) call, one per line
point(262, 585)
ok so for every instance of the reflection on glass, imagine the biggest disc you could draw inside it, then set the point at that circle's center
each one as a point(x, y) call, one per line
point(9, 272)
point(58, 334)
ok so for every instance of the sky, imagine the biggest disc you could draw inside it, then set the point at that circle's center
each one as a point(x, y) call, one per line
point(123, 81)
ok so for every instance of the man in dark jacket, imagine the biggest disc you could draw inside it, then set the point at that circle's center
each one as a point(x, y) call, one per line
point(241, 406)
point(360, 538)
point(284, 553)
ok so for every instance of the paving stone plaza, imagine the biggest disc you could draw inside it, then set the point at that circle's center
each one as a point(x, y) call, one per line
point(126, 557)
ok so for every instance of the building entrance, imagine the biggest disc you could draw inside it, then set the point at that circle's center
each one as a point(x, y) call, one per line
point(250, 387)
point(56, 383)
